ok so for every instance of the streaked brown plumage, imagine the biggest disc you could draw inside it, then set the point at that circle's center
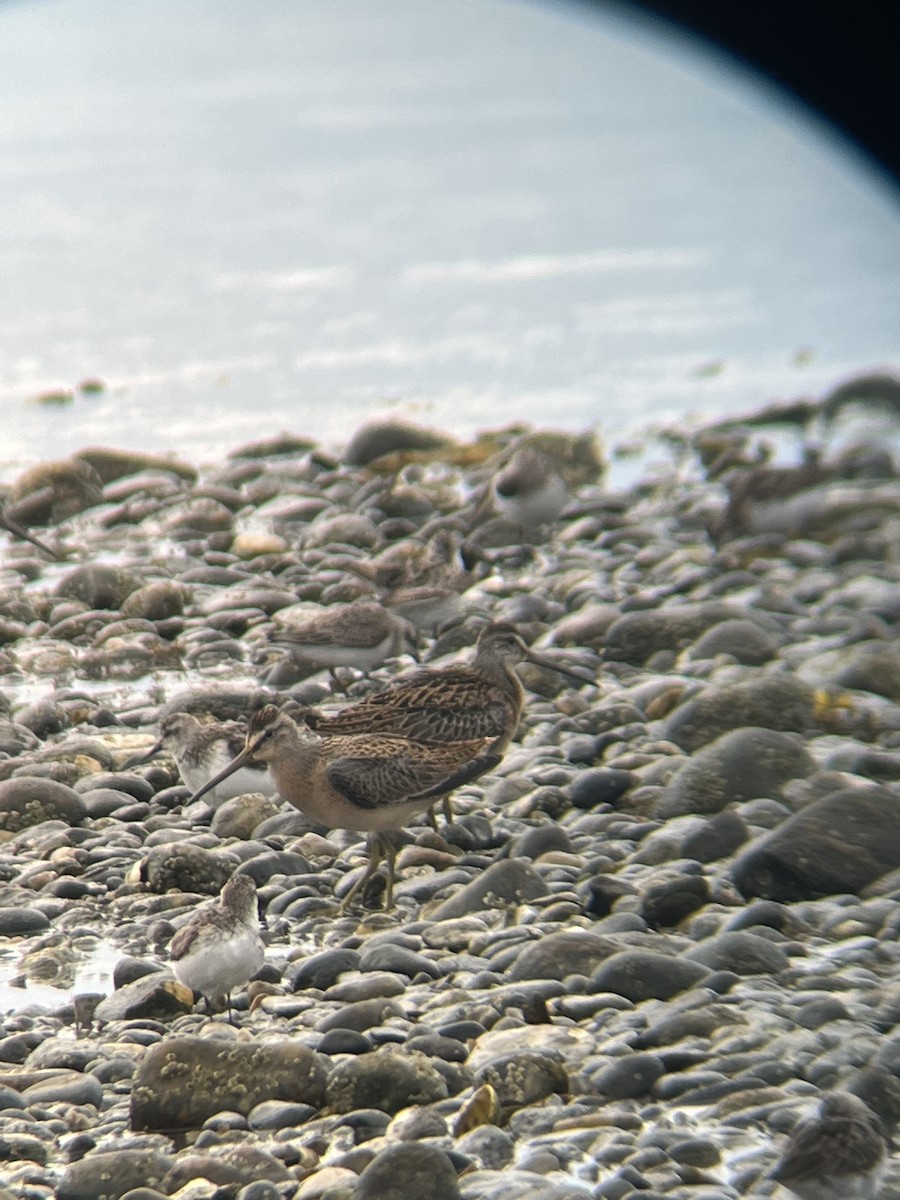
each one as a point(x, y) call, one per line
point(450, 704)
point(840, 1154)
point(483, 699)
point(371, 782)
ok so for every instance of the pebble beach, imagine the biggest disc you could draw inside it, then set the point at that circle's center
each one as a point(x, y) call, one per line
point(645, 947)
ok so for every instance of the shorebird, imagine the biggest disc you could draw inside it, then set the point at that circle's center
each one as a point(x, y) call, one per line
point(19, 531)
point(528, 489)
point(201, 749)
point(371, 782)
point(442, 705)
point(219, 946)
point(361, 634)
point(53, 491)
point(838, 1155)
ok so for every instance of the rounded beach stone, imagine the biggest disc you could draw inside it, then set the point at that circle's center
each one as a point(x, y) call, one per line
point(20, 922)
point(523, 1077)
point(29, 800)
point(741, 765)
point(184, 1080)
point(151, 997)
point(558, 955)
point(635, 636)
point(239, 816)
point(740, 951)
point(109, 1174)
point(644, 974)
point(670, 898)
point(629, 1076)
point(321, 970)
point(186, 868)
point(98, 585)
point(509, 881)
point(385, 1080)
point(409, 1171)
point(771, 701)
point(838, 844)
point(600, 785)
point(378, 438)
point(741, 638)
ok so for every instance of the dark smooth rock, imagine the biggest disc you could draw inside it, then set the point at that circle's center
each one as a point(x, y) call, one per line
point(29, 800)
point(68, 1087)
point(21, 922)
point(183, 1080)
point(600, 785)
point(670, 898)
point(157, 997)
point(874, 667)
point(344, 1041)
point(645, 974)
point(627, 1077)
point(558, 955)
point(766, 699)
point(838, 844)
point(744, 640)
point(636, 636)
point(408, 1171)
point(743, 952)
point(398, 959)
point(321, 970)
point(741, 765)
point(359, 1015)
point(386, 1080)
point(262, 867)
point(719, 837)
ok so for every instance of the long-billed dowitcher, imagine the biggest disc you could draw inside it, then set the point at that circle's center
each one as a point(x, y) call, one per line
point(362, 634)
point(440, 705)
point(219, 947)
point(371, 782)
point(840, 1154)
point(201, 749)
point(451, 704)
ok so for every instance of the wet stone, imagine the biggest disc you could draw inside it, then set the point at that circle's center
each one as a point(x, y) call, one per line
point(743, 952)
point(408, 1171)
point(30, 800)
point(509, 881)
point(644, 974)
point(110, 1174)
point(184, 1080)
point(740, 765)
point(838, 844)
point(384, 1080)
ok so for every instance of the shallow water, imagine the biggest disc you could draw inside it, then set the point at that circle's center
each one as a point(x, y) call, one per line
point(470, 214)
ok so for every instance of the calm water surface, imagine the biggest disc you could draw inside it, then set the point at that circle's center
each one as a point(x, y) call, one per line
point(245, 218)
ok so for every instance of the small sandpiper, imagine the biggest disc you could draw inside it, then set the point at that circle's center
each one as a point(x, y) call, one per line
point(840, 1154)
point(219, 947)
point(361, 634)
point(369, 782)
point(528, 489)
point(201, 749)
